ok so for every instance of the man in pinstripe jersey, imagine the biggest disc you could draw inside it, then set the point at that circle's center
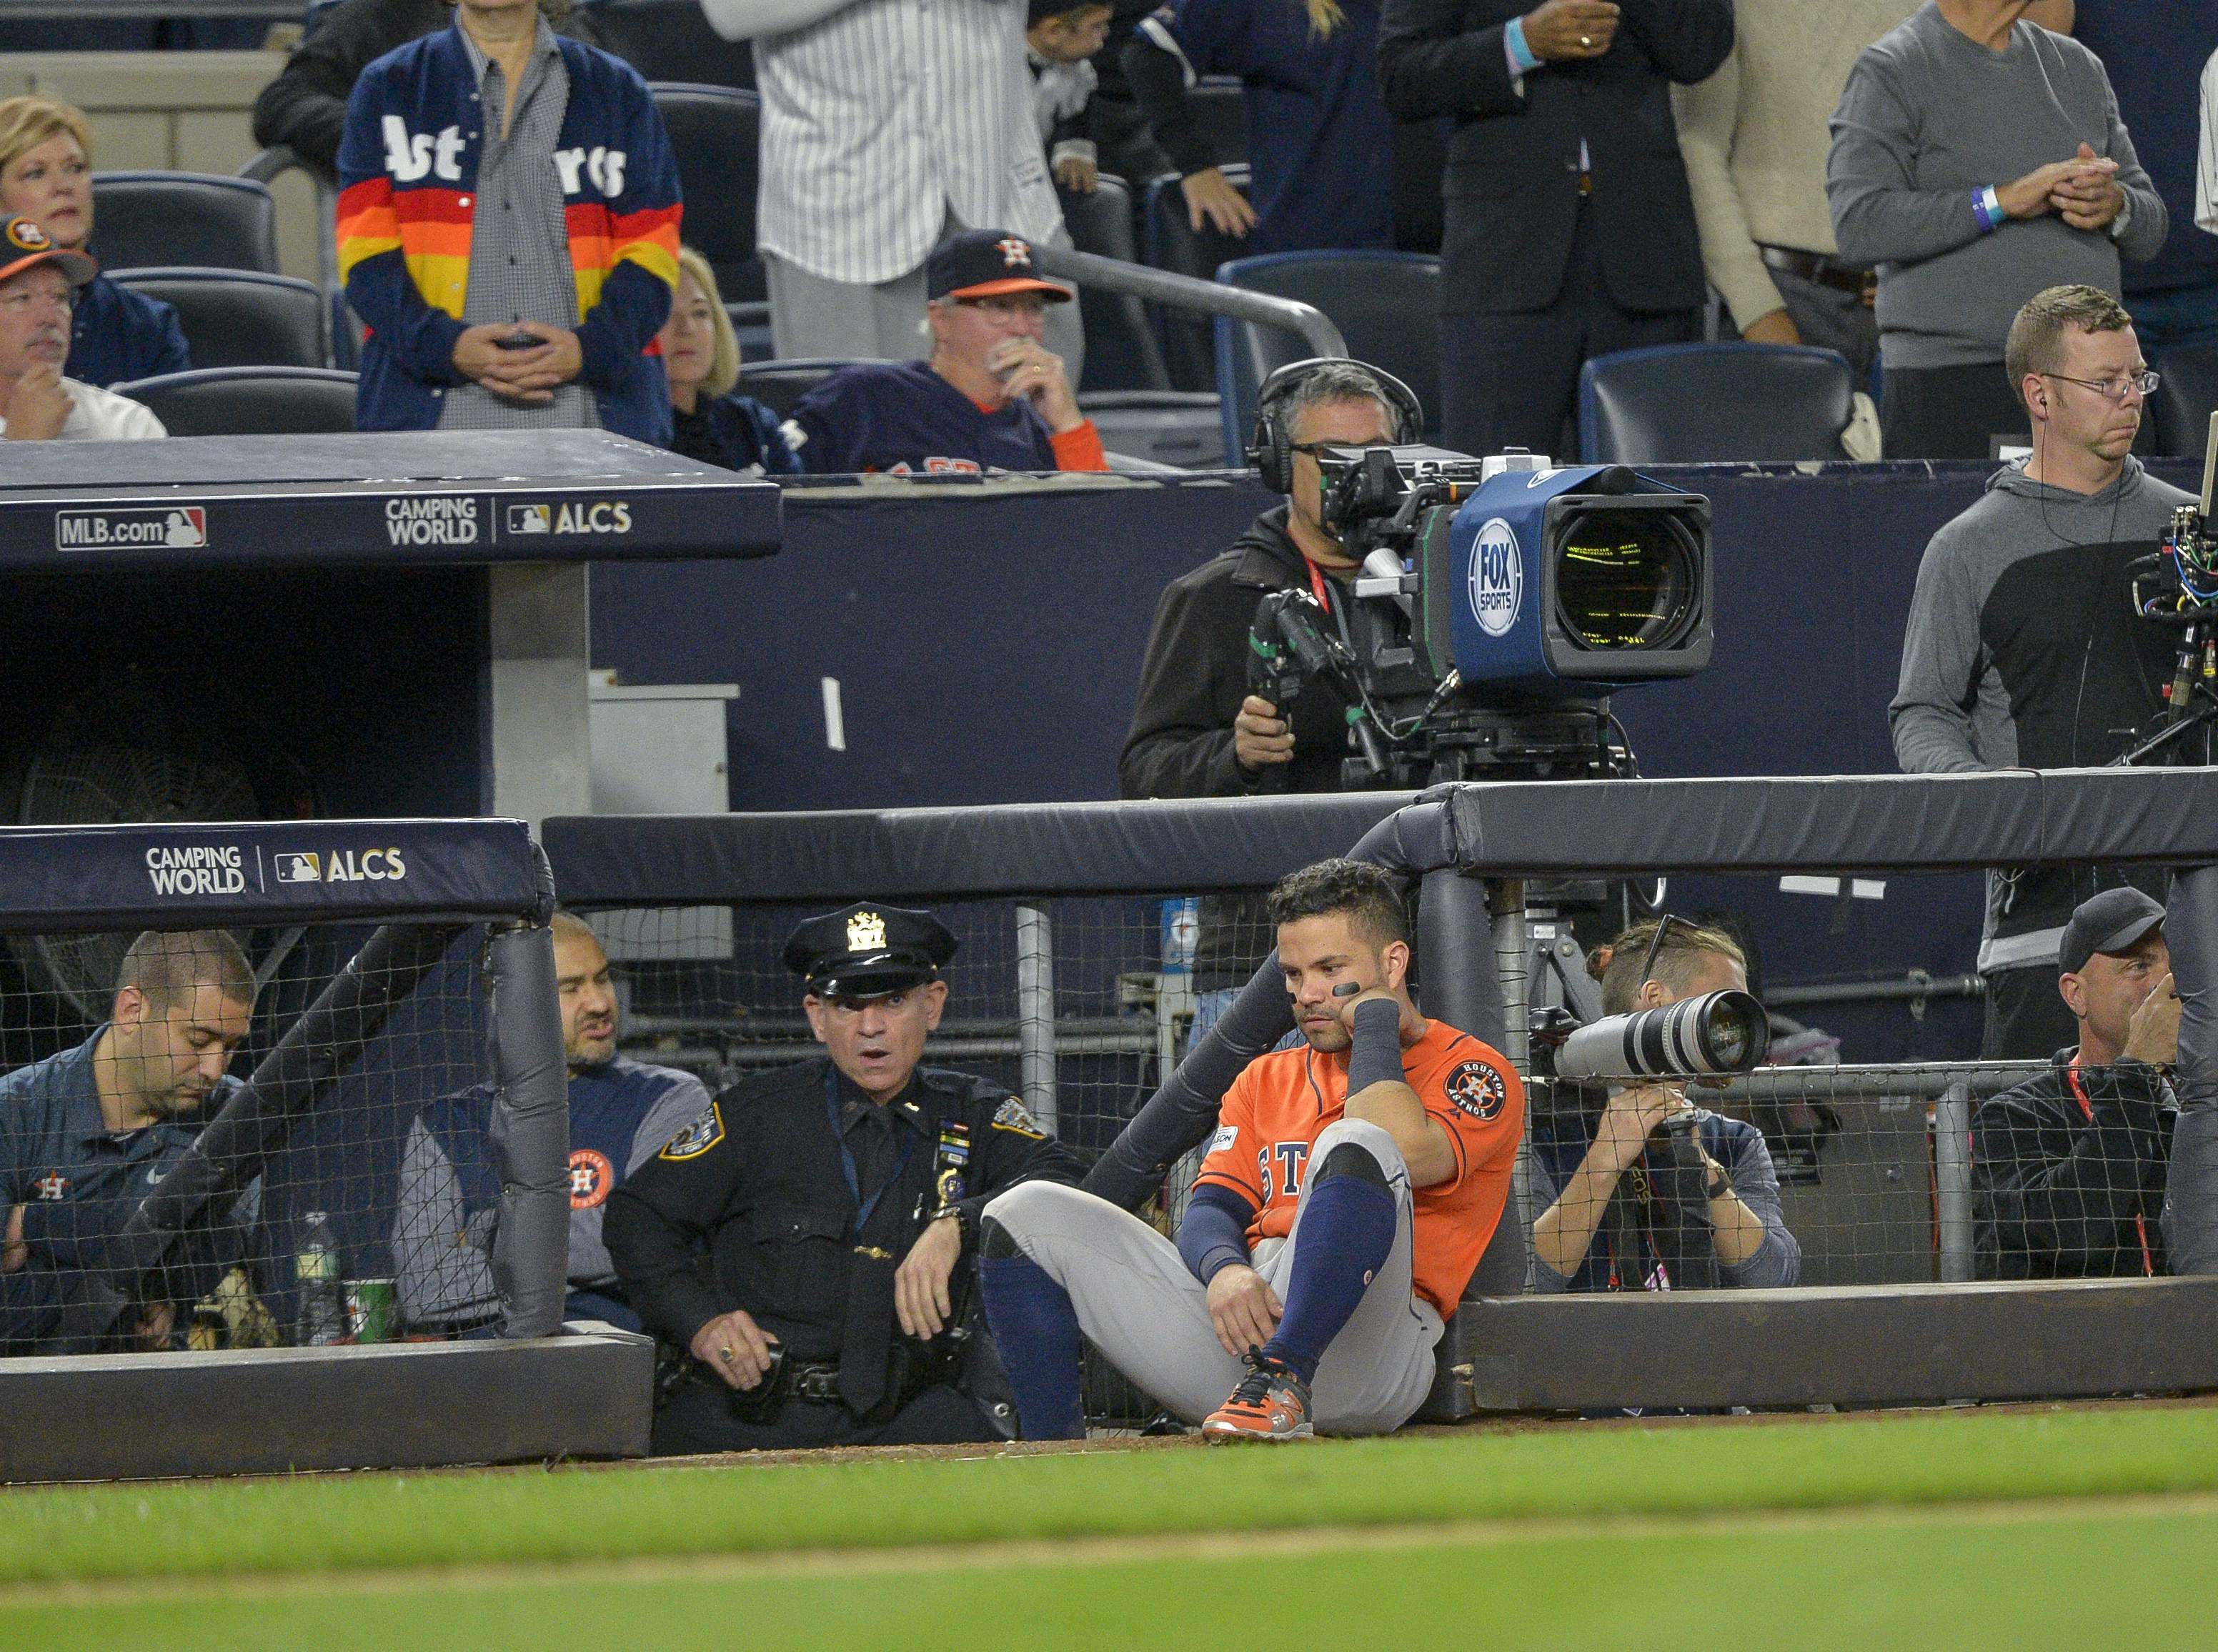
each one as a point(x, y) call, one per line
point(887, 126)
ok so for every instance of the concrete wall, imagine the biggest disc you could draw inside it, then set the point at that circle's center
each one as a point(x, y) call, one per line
point(189, 111)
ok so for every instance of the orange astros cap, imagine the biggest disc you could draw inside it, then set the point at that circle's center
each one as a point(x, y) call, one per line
point(29, 244)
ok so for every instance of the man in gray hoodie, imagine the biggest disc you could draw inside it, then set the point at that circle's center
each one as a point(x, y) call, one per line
point(2023, 649)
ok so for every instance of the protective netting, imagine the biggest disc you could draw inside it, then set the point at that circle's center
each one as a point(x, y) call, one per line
point(110, 1091)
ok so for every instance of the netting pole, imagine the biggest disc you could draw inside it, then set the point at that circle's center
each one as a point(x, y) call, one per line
point(1035, 1013)
point(1460, 982)
point(1512, 953)
point(530, 1133)
point(1952, 1180)
point(2191, 1205)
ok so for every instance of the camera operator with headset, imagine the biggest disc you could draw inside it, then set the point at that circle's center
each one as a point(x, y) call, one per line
point(1196, 729)
point(1651, 1193)
point(2024, 649)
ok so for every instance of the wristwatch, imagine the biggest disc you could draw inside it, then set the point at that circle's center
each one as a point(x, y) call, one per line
point(1716, 1186)
point(963, 1225)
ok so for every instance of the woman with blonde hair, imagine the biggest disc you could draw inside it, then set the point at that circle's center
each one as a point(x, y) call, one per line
point(1320, 145)
point(45, 176)
point(701, 357)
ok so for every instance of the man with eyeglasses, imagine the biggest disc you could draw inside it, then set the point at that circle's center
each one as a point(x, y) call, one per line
point(2024, 649)
point(39, 283)
point(991, 396)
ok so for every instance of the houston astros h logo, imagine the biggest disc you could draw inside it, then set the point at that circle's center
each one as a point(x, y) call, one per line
point(1015, 252)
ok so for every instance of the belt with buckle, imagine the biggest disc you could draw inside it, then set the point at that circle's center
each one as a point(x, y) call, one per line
point(1818, 268)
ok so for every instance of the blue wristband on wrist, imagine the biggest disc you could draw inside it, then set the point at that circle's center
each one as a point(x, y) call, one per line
point(1522, 60)
point(1987, 207)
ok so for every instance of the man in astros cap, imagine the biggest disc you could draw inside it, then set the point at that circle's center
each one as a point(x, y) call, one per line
point(38, 281)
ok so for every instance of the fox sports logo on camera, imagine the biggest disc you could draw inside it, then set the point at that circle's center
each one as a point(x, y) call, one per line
point(1497, 577)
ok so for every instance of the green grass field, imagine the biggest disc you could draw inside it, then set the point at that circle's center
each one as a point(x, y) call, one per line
point(2069, 1528)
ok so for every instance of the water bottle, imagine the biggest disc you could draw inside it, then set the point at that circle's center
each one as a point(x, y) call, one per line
point(323, 1302)
point(1182, 929)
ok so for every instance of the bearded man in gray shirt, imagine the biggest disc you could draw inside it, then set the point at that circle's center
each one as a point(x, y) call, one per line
point(1978, 159)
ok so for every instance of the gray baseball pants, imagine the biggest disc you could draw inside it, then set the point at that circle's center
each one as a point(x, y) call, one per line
point(1141, 1307)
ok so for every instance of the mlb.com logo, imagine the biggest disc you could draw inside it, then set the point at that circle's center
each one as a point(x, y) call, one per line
point(340, 866)
point(598, 517)
point(179, 527)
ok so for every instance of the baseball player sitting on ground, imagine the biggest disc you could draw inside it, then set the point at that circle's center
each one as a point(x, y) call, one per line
point(1351, 1187)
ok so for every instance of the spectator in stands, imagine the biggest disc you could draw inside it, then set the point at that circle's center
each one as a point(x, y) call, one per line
point(2022, 649)
point(1978, 159)
point(991, 396)
point(1645, 1190)
point(2154, 56)
point(1571, 231)
point(83, 1134)
point(1197, 731)
point(38, 284)
point(887, 126)
point(1320, 148)
point(701, 357)
point(622, 1113)
point(1060, 42)
point(305, 106)
point(810, 1240)
point(513, 266)
point(2068, 1168)
point(45, 174)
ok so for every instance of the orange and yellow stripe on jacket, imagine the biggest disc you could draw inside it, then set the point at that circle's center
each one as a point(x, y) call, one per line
point(600, 240)
point(430, 228)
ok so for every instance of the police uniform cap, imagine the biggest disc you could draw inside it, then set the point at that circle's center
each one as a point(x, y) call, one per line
point(869, 950)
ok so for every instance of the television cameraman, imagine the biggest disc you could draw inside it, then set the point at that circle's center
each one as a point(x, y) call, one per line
point(2023, 649)
point(1622, 1207)
point(1197, 731)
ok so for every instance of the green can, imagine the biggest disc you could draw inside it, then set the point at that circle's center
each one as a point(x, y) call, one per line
point(371, 1312)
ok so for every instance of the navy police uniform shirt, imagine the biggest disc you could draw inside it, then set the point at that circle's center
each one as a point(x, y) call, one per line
point(76, 1180)
point(117, 335)
point(902, 418)
point(621, 1114)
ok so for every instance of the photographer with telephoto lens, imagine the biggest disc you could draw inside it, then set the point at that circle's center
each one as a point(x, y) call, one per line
point(1645, 1191)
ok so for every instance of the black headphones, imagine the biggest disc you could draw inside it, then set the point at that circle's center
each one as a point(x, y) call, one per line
point(1271, 449)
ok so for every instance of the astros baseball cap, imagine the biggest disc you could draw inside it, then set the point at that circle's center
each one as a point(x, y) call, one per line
point(23, 244)
point(984, 263)
point(2113, 921)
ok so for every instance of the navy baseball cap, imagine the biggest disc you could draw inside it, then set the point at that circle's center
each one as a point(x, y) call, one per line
point(868, 950)
point(985, 263)
point(2111, 922)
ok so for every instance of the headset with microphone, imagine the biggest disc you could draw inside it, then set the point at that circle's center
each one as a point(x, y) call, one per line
point(1271, 449)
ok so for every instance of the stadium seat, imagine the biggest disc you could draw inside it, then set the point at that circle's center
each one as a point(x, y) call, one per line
point(2186, 392)
point(1169, 242)
point(669, 39)
point(751, 327)
point(248, 400)
point(240, 318)
point(1121, 351)
point(715, 131)
point(1387, 305)
point(1692, 404)
point(1171, 427)
point(1220, 115)
point(173, 219)
point(780, 384)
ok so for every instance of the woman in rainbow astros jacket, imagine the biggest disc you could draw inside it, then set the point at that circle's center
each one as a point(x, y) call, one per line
point(508, 222)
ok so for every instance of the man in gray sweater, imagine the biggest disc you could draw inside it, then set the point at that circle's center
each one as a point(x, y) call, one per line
point(1978, 159)
point(2023, 649)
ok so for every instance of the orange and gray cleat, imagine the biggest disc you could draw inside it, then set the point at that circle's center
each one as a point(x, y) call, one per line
point(1271, 1403)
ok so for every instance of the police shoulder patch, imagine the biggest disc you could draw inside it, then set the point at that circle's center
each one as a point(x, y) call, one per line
point(1476, 1088)
point(1011, 1116)
point(696, 1138)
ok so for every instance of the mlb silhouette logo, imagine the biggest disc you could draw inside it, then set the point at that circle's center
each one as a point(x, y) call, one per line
point(299, 868)
point(530, 519)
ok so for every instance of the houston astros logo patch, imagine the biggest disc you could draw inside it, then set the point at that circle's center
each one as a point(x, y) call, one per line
point(1477, 1089)
point(28, 236)
point(591, 1175)
point(1014, 253)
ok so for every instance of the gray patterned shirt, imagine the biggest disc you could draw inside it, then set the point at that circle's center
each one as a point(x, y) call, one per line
point(519, 244)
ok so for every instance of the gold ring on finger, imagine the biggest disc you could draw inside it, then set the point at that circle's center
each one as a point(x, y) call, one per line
point(726, 1355)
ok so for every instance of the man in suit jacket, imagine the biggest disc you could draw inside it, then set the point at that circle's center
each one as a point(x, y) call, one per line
point(1571, 231)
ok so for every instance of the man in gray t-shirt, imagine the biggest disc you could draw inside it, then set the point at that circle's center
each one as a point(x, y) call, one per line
point(1978, 159)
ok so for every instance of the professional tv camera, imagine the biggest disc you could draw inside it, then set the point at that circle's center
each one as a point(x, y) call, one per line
point(2178, 586)
point(1501, 602)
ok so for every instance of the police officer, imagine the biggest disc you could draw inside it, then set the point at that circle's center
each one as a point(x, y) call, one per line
point(87, 1133)
point(808, 1242)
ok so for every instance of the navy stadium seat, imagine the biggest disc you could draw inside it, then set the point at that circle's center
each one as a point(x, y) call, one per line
point(1692, 404)
point(240, 318)
point(1219, 109)
point(751, 327)
point(716, 132)
point(780, 384)
point(669, 39)
point(2186, 392)
point(1170, 242)
point(143, 220)
point(248, 400)
point(1386, 306)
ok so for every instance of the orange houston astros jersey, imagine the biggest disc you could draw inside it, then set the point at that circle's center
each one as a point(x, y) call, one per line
point(1276, 1110)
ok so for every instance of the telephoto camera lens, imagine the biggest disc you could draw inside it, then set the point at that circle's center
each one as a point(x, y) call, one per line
point(1718, 1032)
point(1626, 580)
